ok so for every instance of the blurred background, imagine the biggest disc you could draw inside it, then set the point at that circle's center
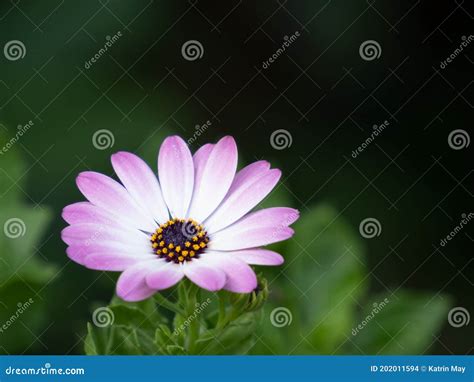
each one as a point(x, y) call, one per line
point(299, 83)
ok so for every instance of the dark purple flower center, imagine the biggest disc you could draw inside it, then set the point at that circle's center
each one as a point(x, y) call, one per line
point(179, 240)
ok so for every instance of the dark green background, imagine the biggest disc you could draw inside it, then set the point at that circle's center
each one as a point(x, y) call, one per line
point(320, 90)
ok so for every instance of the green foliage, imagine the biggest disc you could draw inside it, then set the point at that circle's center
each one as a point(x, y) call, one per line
point(321, 295)
point(23, 273)
point(406, 325)
point(143, 328)
point(124, 329)
point(324, 283)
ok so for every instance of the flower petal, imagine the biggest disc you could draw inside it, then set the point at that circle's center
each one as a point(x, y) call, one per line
point(106, 193)
point(85, 212)
point(200, 158)
point(131, 285)
point(255, 237)
point(164, 276)
point(244, 194)
point(257, 256)
point(240, 278)
point(205, 276)
point(141, 183)
point(111, 261)
point(79, 252)
point(88, 234)
point(276, 217)
point(213, 177)
point(257, 228)
point(176, 172)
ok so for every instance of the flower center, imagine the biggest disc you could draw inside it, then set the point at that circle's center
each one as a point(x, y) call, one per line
point(179, 240)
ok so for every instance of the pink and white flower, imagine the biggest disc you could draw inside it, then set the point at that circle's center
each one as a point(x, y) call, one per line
point(191, 221)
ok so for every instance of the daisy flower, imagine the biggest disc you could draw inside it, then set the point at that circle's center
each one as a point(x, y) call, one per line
point(191, 221)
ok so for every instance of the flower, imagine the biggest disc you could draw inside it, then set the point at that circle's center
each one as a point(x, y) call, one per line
point(192, 221)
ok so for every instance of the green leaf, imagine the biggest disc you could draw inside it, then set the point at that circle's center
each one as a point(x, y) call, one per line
point(324, 279)
point(175, 350)
point(407, 324)
point(132, 330)
point(97, 340)
point(165, 338)
point(233, 339)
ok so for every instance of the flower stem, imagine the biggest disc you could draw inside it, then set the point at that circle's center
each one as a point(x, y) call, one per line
point(222, 310)
point(165, 303)
point(194, 327)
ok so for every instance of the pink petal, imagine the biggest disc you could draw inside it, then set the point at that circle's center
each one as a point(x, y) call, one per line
point(141, 183)
point(275, 217)
point(256, 237)
point(165, 276)
point(131, 285)
point(213, 178)
point(245, 193)
point(240, 278)
point(251, 171)
point(205, 276)
point(106, 193)
point(257, 256)
point(78, 252)
point(85, 212)
point(176, 172)
point(110, 261)
point(88, 234)
point(200, 158)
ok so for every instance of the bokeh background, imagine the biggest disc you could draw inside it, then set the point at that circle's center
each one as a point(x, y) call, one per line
point(321, 90)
